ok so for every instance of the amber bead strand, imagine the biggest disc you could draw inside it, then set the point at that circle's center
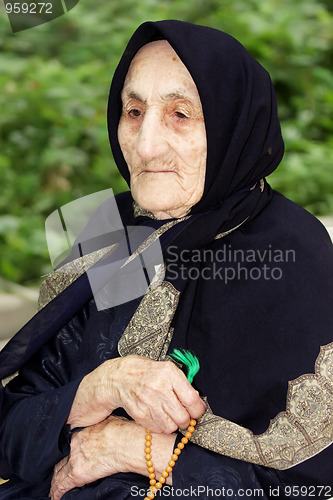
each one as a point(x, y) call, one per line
point(157, 485)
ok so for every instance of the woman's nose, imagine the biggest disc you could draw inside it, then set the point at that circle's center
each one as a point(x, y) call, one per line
point(151, 140)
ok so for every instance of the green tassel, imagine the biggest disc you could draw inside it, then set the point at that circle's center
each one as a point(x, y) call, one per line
point(189, 360)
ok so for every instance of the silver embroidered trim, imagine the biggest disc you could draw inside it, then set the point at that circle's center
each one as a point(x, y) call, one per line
point(63, 277)
point(149, 333)
point(300, 432)
point(222, 235)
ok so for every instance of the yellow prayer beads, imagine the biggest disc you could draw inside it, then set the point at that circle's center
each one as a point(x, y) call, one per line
point(154, 484)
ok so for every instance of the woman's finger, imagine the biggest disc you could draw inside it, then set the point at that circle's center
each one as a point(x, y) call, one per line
point(171, 414)
point(56, 478)
point(190, 399)
point(64, 480)
point(60, 465)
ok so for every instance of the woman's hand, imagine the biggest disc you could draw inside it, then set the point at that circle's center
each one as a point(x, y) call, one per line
point(93, 456)
point(114, 445)
point(156, 394)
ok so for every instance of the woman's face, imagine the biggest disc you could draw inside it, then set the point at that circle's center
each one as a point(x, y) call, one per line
point(162, 132)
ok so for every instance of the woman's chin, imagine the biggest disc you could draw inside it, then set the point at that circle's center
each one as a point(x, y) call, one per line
point(156, 203)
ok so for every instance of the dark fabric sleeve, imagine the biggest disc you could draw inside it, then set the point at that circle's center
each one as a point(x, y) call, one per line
point(35, 408)
point(30, 433)
point(204, 471)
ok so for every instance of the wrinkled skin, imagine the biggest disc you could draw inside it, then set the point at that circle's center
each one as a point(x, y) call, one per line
point(114, 445)
point(156, 394)
point(162, 132)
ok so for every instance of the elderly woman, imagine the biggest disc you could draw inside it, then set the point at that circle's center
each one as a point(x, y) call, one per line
point(96, 408)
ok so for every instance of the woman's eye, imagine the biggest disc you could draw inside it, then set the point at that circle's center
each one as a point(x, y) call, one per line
point(181, 115)
point(135, 113)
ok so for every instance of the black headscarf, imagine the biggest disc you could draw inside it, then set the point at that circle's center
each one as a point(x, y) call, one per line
point(244, 142)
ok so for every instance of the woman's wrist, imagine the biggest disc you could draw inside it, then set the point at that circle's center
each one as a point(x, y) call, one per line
point(133, 455)
point(94, 399)
point(86, 409)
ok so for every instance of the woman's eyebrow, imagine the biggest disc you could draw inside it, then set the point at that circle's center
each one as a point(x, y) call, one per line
point(175, 94)
point(132, 95)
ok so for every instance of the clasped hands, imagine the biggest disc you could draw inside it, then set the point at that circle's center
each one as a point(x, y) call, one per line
point(155, 394)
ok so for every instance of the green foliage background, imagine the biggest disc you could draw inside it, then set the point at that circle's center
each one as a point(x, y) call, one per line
point(55, 80)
